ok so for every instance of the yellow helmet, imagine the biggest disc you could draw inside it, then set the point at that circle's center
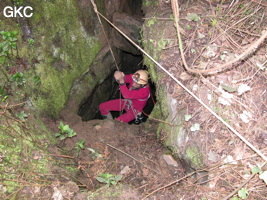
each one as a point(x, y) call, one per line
point(140, 77)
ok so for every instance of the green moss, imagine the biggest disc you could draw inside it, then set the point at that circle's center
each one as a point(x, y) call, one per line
point(148, 3)
point(107, 193)
point(152, 69)
point(195, 157)
point(65, 50)
point(72, 170)
point(161, 112)
point(54, 88)
point(153, 45)
point(23, 155)
point(161, 94)
point(17, 157)
point(151, 21)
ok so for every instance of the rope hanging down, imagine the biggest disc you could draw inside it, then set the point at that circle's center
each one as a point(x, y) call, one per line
point(116, 64)
point(97, 13)
point(187, 90)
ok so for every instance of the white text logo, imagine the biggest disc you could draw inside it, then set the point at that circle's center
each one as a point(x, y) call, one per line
point(18, 11)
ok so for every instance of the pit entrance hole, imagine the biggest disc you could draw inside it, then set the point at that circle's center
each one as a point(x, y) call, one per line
point(130, 63)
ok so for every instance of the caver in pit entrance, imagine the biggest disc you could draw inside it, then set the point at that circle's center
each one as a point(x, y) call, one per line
point(135, 91)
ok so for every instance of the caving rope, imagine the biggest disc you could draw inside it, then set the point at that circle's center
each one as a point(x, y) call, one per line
point(185, 88)
point(104, 32)
point(97, 13)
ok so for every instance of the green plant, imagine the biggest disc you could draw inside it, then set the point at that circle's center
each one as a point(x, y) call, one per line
point(3, 94)
point(151, 22)
point(195, 127)
point(214, 22)
point(187, 117)
point(78, 146)
point(262, 174)
point(18, 77)
point(31, 42)
point(7, 46)
point(65, 131)
point(36, 80)
point(192, 50)
point(162, 43)
point(188, 27)
point(22, 115)
point(109, 179)
point(147, 3)
point(95, 154)
point(192, 17)
point(242, 193)
point(256, 170)
point(18, 2)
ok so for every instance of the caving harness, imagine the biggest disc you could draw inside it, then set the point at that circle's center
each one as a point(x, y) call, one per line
point(137, 114)
point(128, 103)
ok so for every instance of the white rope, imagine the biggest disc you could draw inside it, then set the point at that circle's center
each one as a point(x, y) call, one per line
point(191, 93)
point(97, 13)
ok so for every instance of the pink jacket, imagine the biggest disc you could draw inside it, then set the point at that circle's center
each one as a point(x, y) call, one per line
point(139, 96)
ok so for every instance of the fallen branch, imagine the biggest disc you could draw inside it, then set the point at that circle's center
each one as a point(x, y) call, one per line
point(63, 156)
point(11, 106)
point(170, 184)
point(263, 4)
point(133, 158)
point(30, 183)
point(201, 170)
point(158, 119)
point(243, 184)
point(14, 193)
point(252, 48)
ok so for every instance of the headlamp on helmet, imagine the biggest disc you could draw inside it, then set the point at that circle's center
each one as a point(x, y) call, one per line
point(140, 77)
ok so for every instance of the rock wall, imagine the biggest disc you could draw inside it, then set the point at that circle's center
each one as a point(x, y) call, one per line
point(67, 40)
point(158, 32)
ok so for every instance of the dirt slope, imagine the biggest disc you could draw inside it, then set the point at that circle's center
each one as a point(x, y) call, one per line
point(125, 149)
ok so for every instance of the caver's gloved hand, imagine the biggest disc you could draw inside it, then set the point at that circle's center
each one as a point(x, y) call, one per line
point(120, 77)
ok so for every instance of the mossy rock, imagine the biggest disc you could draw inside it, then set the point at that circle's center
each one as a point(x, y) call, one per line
point(64, 49)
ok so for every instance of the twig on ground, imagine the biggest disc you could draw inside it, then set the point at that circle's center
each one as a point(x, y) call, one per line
point(254, 46)
point(11, 106)
point(242, 185)
point(170, 184)
point(133, 158)
point(206, 169)
point(158, 119)
point(64, 156)
point(263, 4)
point(12, 194)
